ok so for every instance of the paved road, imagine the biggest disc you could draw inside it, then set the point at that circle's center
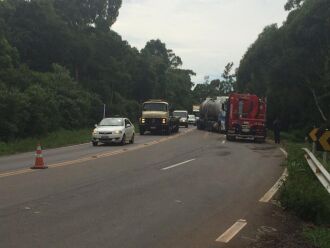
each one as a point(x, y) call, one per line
point(26, 160)
point(179, 192)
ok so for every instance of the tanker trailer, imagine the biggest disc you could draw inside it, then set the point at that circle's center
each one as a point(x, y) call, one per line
point(213, 114)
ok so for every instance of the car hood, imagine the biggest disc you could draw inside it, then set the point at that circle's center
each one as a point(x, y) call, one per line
point(109, 129)
point(154, 114)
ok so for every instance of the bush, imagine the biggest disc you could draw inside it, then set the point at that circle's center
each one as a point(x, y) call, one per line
point(33, 104)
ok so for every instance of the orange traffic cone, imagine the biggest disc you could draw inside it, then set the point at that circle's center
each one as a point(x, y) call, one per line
point(39, 162)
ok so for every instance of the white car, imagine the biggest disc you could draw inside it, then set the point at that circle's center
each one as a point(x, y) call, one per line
point(183, 115)
point(114, 130)
point(192, 119)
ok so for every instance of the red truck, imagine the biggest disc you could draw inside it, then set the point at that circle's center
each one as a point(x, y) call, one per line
point(246, 117)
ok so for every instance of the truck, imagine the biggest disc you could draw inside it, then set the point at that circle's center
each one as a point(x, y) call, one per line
point(246, 117)
point(212, 114)
point(195, 110)
point(156, 117)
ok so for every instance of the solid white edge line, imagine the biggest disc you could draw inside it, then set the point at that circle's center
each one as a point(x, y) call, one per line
point(284, 152)
point(269, 195)
point(178, 164)
point(232, 231)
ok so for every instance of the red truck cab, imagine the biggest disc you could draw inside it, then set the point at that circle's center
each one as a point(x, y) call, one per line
point(246, 117)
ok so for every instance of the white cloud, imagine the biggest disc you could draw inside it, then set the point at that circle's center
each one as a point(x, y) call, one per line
point(206, 34)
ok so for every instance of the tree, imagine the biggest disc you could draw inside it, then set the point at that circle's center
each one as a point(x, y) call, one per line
point(226, 86)
point(60, 62)
point(290, 65)
point(293, 4)
point(88, 13)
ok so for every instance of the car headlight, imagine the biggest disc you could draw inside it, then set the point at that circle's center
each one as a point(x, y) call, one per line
point(118, 132)
point(164, 121)
point(94, 132)
point(183, 120)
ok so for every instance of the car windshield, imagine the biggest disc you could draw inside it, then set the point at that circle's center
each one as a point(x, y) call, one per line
point(112, 122)
point(180, 114)
point(191, 116)
point(155, 107)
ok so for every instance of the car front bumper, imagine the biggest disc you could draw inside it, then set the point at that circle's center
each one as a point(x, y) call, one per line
point(109, 138)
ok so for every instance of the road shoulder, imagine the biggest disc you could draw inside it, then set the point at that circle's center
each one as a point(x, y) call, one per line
point(270, 226)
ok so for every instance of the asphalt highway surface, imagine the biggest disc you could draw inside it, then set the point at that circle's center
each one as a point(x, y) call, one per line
point(183, 191)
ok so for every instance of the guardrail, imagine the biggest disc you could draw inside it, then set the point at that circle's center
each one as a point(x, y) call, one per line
point(320, 172)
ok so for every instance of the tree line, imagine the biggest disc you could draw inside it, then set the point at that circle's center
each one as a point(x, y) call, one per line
point(291, 66)
point(60, 62)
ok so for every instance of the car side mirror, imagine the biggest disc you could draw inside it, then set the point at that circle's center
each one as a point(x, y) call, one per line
point(95, 125)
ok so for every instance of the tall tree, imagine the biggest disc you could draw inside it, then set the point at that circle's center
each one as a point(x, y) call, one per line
point(88, 13)
point(290, 65)
point(227, 84)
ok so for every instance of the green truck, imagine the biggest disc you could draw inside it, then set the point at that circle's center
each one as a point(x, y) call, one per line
point(156, 118)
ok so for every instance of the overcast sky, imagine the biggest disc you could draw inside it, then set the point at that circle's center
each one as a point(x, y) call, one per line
point(206, 34)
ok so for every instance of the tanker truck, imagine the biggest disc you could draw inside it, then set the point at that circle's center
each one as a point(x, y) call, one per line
point(213, 114)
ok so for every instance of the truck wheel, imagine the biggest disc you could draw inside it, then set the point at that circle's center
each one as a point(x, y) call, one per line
point(94, 143)
point(230, 138)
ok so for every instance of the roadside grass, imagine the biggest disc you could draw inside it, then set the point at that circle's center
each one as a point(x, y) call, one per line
point(304, 195)
point(318, 236)
point(52, 140)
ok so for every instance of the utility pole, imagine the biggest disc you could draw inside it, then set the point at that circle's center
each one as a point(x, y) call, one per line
point(104, 110)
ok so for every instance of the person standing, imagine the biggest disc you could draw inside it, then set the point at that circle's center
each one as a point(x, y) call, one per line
point(277, 130)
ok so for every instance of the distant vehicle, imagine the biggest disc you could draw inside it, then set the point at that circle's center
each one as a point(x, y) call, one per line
point(213, 114)
point(246, 117)
point(183, 115)
point(114, 130)
point(196, 110)
point(192, 120)
point(156, 117)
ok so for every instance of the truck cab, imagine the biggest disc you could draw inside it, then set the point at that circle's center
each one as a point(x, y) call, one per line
point(246, 117)
point(156, 117)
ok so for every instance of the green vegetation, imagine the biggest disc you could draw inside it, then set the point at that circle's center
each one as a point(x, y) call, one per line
point(291, 66)
point(304, 195)
point(52, 140)
point(55, 139)
point(318, 236)
point(60, 62)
